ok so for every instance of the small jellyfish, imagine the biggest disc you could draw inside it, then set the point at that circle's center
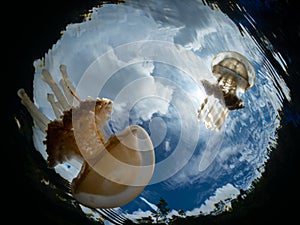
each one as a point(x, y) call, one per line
point(113, 171)
point(235, 75)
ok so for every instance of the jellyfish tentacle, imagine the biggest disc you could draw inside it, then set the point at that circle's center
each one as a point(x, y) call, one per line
point(202, 110)
point(46, 76)
point(55, 106)
point(63, 70)
point(221, 118)
point(66, 91)
point(41, 120)
point(68, 86)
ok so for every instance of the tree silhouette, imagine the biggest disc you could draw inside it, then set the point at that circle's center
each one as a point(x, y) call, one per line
point(145, 220)
point(162, 211)
point(181, 213)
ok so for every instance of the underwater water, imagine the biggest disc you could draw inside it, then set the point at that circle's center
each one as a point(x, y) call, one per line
point(151, 59)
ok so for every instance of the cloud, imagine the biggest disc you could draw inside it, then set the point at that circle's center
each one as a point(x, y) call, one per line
point(225, 194)
point(138, 214)
point(143, 96)
point(156, 99)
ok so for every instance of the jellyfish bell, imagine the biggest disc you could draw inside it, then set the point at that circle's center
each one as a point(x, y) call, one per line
point(113, 171)
point(236, 62)
point(235, 75)
point(120, 174)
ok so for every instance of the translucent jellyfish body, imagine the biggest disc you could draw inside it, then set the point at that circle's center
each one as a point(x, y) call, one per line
point(235, 75)
point(114, 171)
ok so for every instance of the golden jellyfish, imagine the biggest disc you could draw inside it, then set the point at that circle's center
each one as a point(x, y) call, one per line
point(235, 75)
point(114, 170)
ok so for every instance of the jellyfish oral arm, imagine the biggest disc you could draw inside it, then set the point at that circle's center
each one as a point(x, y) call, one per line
point(41, 120)
point(46, 76)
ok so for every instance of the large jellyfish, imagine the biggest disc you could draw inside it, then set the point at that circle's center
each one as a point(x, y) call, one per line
point(114, 171)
